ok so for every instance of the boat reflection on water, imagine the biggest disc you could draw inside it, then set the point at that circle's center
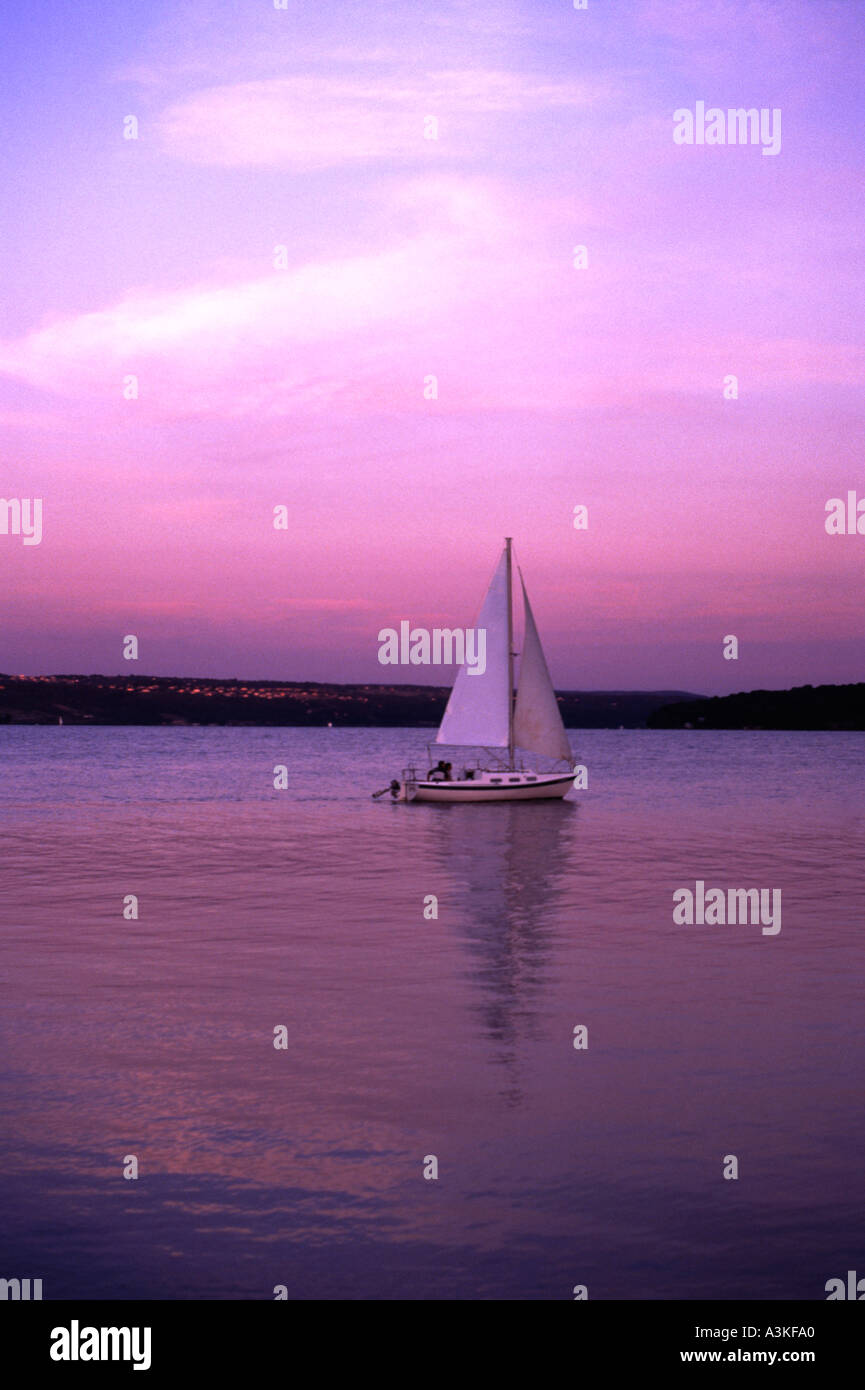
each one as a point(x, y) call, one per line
point(506, 861)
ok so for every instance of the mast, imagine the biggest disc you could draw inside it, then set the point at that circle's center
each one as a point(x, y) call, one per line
point(510, 657)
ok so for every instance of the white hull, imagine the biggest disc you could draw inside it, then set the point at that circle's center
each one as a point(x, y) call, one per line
point(491, 787)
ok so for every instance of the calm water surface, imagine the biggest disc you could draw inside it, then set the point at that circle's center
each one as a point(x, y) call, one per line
point(410, 1037)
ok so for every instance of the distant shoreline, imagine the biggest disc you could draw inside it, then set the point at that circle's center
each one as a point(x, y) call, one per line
point(817, 708)
point(166, 701)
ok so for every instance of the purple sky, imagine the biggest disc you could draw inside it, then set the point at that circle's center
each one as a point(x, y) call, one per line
point(406, 257)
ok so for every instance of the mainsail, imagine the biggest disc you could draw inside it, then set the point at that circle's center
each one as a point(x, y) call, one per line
point(538, 723)
point(478, 711)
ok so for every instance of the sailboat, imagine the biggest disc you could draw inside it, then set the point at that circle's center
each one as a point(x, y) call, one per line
point(491, 732)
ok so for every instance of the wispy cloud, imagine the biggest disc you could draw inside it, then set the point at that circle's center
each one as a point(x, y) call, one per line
point(186, 345)
point(467, 299)
point(316, 122)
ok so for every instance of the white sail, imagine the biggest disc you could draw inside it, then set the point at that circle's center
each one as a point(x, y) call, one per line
point(538, 723)
point(478, 711)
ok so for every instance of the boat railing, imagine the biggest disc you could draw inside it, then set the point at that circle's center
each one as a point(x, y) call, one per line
point(481, 759)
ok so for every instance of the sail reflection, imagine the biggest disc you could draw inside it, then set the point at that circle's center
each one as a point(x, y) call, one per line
point(506, 861)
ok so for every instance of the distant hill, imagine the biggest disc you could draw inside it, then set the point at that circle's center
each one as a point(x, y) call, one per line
point(830, 707)
point(162, 700)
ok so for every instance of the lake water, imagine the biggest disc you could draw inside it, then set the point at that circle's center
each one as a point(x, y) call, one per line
point(408, 1037)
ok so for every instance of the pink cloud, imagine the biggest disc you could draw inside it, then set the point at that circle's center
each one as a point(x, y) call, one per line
point(316, 122)
point(186, 346)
